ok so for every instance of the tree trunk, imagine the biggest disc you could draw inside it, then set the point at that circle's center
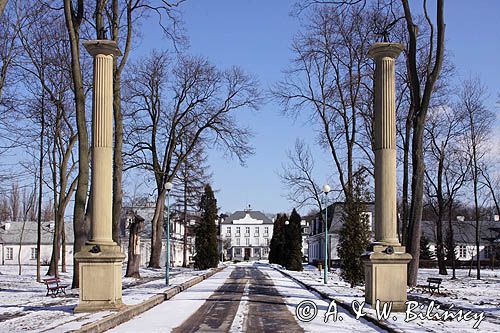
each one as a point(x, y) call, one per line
point(439, 225)
point(184, 243)
point(157, 232)
point(40, 193)
point(3, 3)
point(134, 249)
point(417, 190)
point(56, 246)
point(117, 157)
point(406, 166)
point(452, 240)
point(73, 25)
point(63, 247)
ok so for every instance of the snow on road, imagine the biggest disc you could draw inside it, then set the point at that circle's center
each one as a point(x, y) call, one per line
point(293, 294)
point(172, 313)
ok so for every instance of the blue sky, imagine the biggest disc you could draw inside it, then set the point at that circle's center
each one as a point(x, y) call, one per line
point(256, 35)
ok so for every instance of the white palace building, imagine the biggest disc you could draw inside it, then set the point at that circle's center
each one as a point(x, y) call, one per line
point(246, 235)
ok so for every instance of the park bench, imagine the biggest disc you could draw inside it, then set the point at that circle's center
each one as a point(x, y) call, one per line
point(433, 285)
point(55, 287)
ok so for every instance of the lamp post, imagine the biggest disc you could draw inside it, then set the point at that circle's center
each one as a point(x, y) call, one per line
point(326, 189)
point(168, 187)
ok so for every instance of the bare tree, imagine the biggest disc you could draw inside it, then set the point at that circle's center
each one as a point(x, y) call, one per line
point(478, 121)
point(330, 76)
point(444, 126)
point(47, 66)
point(188, 185)
point(74, 17)
point(421, 92)
point(28, 204)
point(122, 33)
point(492, 182)
point(298, 178)
point(193, 98)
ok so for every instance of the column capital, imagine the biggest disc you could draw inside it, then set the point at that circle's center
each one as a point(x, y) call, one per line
point(102, 46)
point(381, 50)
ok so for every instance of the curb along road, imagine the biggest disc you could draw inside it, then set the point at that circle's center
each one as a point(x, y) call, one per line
point(131, 311)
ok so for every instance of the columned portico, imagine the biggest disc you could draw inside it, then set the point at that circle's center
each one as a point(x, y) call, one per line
point(386, 263)
point(100, 260)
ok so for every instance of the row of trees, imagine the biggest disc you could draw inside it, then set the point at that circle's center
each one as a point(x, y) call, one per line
point(168, 107)
point(331, 79)
point(286, 243)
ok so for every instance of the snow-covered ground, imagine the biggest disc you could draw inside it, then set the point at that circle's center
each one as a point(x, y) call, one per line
point(466, 292)
point(172, 313)
point(293, 294)
point(25, 308)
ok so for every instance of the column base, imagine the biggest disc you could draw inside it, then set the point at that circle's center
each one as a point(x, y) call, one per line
point(100, 277)
point(385, 276)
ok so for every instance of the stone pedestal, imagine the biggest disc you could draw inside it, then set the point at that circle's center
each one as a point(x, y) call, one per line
point(100, 278)
point(386, 261)
point(100, 260)
point(385, 276)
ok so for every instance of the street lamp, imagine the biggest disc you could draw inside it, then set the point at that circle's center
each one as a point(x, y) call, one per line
point(326, 189)
point(168, 187)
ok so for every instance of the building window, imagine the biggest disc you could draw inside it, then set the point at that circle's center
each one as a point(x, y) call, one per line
point(266, 231)
point(488, 251)
point(247, 241)
point(228, 231)
point(9, 253)
point(33, 253)
point(462, 251)
point(237, 241)
point(256, 241)
point(264, 251)
point(237, 252)
point(256, 232)
point(267, 241)
point(238, 230)
point(247, 231)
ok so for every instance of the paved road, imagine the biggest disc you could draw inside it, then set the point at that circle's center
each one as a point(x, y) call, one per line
point(251, 294)
point(242, 298)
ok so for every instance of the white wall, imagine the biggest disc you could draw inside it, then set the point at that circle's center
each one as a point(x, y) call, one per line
point(26, 259)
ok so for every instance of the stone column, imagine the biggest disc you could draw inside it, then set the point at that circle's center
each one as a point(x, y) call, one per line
point(384, 55)
point(102, 140)
point(100, 260)
point(386, 261)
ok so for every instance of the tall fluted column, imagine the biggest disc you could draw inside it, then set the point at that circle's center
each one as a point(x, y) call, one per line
point(384, 55)
point(386, 260)
point(100, 260)
point(103, 52)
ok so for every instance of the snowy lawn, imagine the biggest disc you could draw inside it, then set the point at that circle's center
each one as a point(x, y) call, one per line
point(468, 293)
point(25, 308)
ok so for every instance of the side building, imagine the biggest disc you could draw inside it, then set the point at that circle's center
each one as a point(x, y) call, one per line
point(316, 240)
point(18, 243)
point(246, 235)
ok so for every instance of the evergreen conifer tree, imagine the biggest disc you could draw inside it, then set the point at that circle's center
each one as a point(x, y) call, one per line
point(278, 241)
point(354, 235)
point(206, 232)
point(425, 250)
point(293, 233)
